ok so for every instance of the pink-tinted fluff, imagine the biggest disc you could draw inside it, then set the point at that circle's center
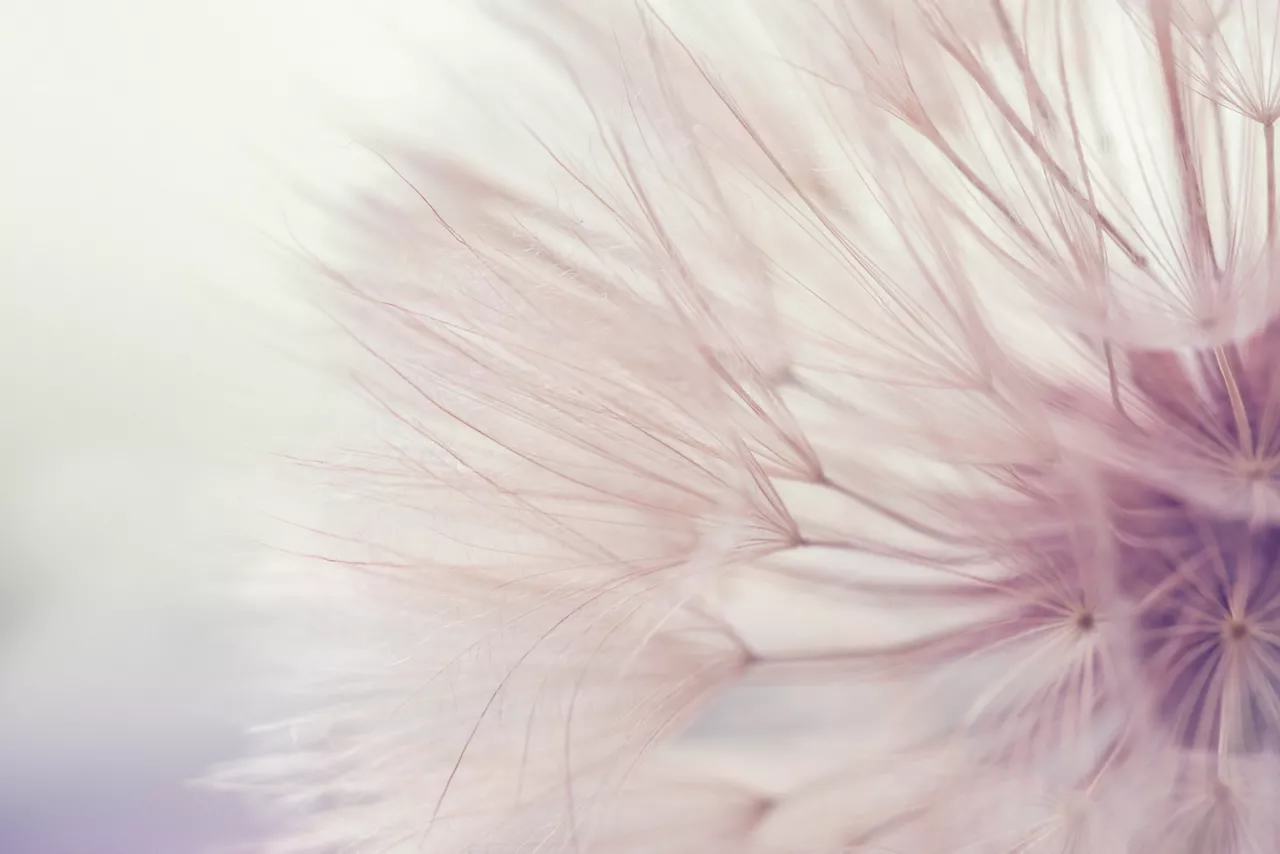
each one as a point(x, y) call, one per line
point(817, 427)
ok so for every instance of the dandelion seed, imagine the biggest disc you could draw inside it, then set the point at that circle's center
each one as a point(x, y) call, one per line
point(835, 427)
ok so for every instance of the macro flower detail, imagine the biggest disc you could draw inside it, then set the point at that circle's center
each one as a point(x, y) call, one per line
point(809, 428)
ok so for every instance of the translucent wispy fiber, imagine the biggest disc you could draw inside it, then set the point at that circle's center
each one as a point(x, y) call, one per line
point(820, 427)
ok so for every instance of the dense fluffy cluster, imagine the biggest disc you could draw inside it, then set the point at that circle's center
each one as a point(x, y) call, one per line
point(817, 427)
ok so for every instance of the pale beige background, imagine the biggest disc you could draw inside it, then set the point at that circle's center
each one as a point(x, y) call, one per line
point(152, 354)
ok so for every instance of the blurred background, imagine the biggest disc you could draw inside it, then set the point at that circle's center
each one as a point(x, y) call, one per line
point(157, 351)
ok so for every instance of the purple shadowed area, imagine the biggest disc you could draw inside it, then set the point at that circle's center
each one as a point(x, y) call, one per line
point(1199, 567)
point(1207, 599)
point(147, 809)
point(132, 819)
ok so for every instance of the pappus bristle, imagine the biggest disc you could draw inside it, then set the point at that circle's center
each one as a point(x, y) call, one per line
point(827, 427)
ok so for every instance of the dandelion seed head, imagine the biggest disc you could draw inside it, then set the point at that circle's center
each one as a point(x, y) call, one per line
point(830, 427)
